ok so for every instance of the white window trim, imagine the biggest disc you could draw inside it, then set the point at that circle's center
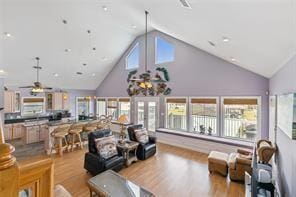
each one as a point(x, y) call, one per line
point(130, 102)
point(76, 105)
point(166, 114)
point(259, 119)
point(22, 105)
point(116, 105)
point(217, 112)
point(97, 110)
point(129, 53)
point(155, 51)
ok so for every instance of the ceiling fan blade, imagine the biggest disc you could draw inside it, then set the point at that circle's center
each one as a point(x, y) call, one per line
point(27, 87)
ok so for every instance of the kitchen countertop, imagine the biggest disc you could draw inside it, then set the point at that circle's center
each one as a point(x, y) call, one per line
point(23, 119)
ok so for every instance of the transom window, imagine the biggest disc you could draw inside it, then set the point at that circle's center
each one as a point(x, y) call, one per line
point(164, 51)
point(133, 58)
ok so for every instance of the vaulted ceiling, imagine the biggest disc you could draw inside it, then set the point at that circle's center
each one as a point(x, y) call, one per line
point(258, 35)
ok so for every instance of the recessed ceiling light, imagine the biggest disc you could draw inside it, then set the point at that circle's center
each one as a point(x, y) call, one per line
point(134, 26)
point(233, 59)
point(94, 74)
point(225, 39)
point(64, 21)
point(211, 43)
point(104, 8)
point(56, 74)
point(6, 34)
point(67, 50)
point(79, 73)
point(84, 64)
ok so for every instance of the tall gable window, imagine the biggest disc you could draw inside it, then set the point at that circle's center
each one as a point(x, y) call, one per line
point(164, 51)
point(133, 58)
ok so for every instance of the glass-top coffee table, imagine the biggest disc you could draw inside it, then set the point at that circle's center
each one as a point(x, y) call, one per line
point(110, 183)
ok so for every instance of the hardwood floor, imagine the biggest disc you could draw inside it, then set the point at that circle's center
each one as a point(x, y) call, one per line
point(172, 172)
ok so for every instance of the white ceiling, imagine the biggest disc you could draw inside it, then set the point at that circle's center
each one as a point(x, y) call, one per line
point(262, 34)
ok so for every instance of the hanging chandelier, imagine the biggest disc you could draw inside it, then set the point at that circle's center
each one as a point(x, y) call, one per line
point(146, 83)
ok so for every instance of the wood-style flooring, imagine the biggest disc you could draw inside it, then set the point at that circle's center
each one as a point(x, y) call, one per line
point(173, 171)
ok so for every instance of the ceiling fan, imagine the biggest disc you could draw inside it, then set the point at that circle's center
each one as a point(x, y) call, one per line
point(37, 87)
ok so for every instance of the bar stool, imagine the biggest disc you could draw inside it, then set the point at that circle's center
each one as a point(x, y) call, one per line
point(59, 139)
point(89, 127)
point(74, 132)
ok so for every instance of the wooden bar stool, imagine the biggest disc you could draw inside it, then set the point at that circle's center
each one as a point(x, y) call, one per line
point(75, 138)
point(59, 138)
point(89, 127)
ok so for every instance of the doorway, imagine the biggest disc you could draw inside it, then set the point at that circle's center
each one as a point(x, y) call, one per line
point(147, 112)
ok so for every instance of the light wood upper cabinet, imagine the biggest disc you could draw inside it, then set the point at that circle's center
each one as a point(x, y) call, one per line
point(57, 101)
point(9, 101)
point(12, 101)
point(66, 101)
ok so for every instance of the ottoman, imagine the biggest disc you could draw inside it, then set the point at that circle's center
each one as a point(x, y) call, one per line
point(217, 162)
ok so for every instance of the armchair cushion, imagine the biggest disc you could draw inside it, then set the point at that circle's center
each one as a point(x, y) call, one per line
point(106, 147)
point(142, 136)
point(94, 135)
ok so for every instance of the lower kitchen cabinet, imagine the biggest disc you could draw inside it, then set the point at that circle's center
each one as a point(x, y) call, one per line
point(31, 134)
point(8, 132)
point(13, 131)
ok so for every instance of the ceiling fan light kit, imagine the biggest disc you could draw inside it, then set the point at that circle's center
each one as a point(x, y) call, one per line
point(37, 87)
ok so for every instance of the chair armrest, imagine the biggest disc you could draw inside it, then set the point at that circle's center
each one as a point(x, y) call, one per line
point(244, 152)
point(152, 139)
point(244, 161)
point(94, 163)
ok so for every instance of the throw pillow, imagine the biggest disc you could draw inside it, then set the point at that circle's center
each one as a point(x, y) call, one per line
point(142, 136)
point(106, 146)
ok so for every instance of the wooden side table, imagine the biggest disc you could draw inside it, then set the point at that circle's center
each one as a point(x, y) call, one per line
point(129, 151)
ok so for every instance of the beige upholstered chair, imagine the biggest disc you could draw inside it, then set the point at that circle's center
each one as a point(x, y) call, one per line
point(265, 150)
point(217, 162)
point(238, 164)
point(75, 138)
point(59, 139)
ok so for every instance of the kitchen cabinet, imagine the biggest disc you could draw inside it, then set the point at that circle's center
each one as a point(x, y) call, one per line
point(13, 131)
point(66, 101)
point(31, 134)
point(17, 131)
point(12, 101)
point(7, 132)
point(57, 101)
point(9, 101)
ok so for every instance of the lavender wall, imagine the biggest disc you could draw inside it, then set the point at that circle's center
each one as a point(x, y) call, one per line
point(193, 73)
point(284, 81)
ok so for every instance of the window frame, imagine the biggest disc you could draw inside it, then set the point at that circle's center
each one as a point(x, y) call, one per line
point(129, 53)
point(259, 118)
point(155, 51)
point(98, 105)
point(130, 110)
point(116, 116)
point(76, 104)
point(217, 112)
point(166, 114)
